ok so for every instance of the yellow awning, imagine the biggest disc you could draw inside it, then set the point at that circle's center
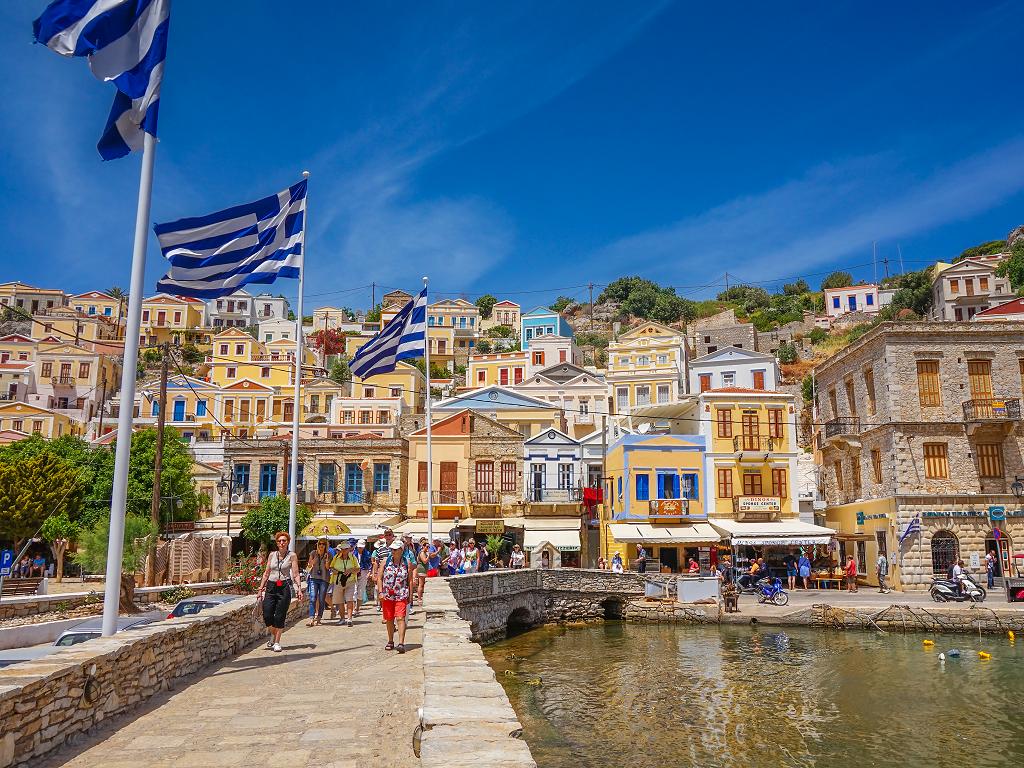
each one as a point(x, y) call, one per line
point(641, 533)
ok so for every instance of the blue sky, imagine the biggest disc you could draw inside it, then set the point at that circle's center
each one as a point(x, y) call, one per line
point(520, 148)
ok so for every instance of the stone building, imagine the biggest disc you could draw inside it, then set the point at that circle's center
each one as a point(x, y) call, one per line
point(359, 481)
point(922, 421)
point(709, 334)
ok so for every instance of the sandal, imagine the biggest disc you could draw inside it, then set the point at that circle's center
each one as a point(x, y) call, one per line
point(390, 647)
point(309, 623)
point(401, 648)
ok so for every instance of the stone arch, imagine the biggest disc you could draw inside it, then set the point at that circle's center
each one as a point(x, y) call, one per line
point(945, 548)
point(519, 620)
point(612, 608)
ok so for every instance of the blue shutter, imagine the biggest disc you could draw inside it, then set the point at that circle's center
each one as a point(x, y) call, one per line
point(643, 487)
point(200, 407)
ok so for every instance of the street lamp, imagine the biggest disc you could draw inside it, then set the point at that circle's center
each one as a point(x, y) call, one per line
point(228, 486)
point(1017, 487)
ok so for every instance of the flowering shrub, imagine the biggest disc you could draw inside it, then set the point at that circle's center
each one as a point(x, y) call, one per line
point(246, 574)
point(176, 594)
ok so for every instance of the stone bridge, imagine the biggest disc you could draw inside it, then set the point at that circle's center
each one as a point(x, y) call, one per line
point(497, 602)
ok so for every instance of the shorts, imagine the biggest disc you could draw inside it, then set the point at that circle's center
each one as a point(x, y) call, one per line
point(393, 609)
point(791, 570)
point(344, 593)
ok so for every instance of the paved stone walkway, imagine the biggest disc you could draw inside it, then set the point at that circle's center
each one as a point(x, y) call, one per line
point(333, 698)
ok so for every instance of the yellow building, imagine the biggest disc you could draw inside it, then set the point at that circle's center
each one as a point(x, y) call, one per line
point(405, 382)
point(33, 419)
point(174, 319)
point(646, 366)
point(190, 406)
point(657, 498)
point(527, 415)
point(68, 324)
point(99, 304)
point(29, 298)
point(502, 369)
point(863, 529)
point(72, 380)
point(17, 364)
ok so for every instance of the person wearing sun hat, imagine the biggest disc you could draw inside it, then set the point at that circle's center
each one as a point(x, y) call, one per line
point(344, 575)
point(365, 559)
point(395, 586)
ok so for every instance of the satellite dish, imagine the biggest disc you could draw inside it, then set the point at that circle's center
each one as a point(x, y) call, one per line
point(644, 428)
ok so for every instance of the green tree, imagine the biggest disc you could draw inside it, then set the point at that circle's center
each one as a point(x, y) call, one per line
point(116, 292)
point(151, 356)
point(560, 304)
point(261, 522)
point(837, 280)
point(60, 531)
point(192, 355)
point(32, 488)
point(373, 316)
point(984, 249)
point(483, 347)
point(817, 335)
point(807, 388)
point(339, 372)
point(501, 332)
point(1013, 267)
point(92, 553)
point(787, 353)
point(796, 288)
point(486, 304)
point(913, 292)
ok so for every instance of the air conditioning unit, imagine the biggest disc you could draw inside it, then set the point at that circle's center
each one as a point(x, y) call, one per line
point(237, 498)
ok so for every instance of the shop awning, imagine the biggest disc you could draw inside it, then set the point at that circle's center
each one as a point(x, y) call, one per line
point(562, 540)
point(638, 533)
point(780, 532)
point(418, 527)
point(544, 523)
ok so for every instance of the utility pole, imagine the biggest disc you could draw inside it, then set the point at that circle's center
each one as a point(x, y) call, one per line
point(161, 417)
point(103, 397)
point(726, 282)
point(593, 346)
point(373, 296)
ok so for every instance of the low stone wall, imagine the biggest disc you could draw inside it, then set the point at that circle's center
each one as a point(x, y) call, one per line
point(466, 720)
point(47, 703)
point(907, 618)
point(493, 601)
point(29, 605)
point(667, 612)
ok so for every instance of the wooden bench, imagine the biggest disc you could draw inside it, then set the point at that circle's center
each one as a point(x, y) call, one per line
point(17, 587)
point(827, 582)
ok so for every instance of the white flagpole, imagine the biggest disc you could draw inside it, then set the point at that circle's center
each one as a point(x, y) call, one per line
point(430, 447)
point(130, 362)
point(297, 407)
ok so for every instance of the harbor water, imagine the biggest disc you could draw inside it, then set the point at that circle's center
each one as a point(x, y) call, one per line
point(637, 696)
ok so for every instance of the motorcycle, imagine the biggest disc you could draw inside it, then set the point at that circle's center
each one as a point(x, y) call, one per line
point(945, 590)
point(771, 591)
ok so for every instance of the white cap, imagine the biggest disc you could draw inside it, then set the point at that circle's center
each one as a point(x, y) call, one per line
point(361, 543)
point(397, 545)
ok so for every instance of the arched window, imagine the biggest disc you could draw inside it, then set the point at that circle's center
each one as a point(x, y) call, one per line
point(945, 551)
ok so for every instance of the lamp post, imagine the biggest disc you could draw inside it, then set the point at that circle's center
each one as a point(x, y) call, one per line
point(227, 486)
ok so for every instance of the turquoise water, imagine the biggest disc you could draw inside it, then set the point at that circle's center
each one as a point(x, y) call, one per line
point(636, 696)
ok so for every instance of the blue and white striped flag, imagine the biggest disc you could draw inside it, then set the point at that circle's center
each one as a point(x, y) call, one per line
point(126, 43)
point(215, 255)
point(403, 337)
point(913, 526)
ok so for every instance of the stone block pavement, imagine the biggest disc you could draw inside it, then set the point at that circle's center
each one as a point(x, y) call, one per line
point(333, 698)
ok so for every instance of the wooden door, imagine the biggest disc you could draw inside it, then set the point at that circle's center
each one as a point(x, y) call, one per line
point(449, 482)
point(751, 432)
point(979, 376)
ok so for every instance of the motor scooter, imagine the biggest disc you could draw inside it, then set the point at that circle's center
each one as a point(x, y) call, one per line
point(945, 590)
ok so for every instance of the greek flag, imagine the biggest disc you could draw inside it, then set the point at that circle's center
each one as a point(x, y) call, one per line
point(126, 43)
point(403, 337)
point(913, 526)
point(215, 255)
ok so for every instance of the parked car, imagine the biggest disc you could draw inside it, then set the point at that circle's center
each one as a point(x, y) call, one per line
point(93, 628)
point(190, 606)
point(17, 655)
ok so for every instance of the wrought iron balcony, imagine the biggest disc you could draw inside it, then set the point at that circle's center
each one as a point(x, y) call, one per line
point(485, 497)
point(842, 426)
point(449, 497)
point(554, 495)
point(66, 380)
point(754, 444)
point(992, 409)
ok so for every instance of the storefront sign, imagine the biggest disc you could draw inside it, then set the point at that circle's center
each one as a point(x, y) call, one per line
point(759, 504)
point(668, 507)
point(861, 517)
point(957, 513)
point(496, 527)
point(997, 513)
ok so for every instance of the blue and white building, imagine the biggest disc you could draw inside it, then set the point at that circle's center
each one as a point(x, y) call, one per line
point(542, 321)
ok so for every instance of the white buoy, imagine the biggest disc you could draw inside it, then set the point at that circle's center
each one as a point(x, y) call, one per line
point(942, 657)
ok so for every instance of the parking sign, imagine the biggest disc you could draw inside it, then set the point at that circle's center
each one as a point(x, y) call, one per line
point(6, 561)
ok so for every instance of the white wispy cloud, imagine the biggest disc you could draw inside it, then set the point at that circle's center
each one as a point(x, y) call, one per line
point(827, 214)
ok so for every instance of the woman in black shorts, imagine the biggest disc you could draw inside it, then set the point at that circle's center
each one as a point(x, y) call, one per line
point(280, 579)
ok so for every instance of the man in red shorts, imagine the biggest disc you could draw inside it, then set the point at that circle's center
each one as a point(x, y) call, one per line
point(395, 586)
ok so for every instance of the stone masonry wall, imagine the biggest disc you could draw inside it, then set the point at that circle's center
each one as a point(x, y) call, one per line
point(47, 703)
point(533, 596)
point(29, 605)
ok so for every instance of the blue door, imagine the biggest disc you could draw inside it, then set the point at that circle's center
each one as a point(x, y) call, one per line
point(268, 480)
point(179, 410)
point(353, 484)
point(853, 303)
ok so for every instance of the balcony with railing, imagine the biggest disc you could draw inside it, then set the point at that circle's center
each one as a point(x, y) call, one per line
point(449, 498)
point(584, 418)
point(999, 414)
point(755, 446)
point(485, 497)
point(67, 381)
point(843, 428)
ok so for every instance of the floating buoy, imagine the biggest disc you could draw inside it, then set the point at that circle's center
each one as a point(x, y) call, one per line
point(983, 655)
point(509, 673)
point(1011, 635)
point(954, 652)
point(942, 657)
point(928, 642)
point(535, 682)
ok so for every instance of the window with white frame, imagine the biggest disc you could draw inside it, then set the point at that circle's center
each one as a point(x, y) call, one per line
point(622, 398)
point(662, 359)
point(728, 378)
point(643, 360)
point(565, 476)
point(664, 393)
point(643, 395)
